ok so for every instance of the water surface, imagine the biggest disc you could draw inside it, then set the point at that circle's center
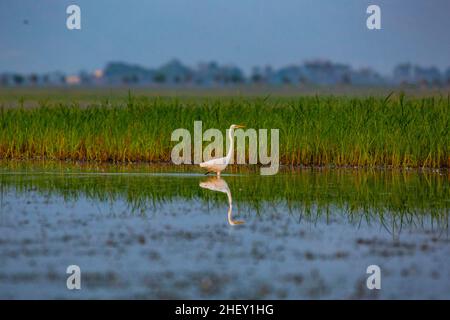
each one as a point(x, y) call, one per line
point(171, 232)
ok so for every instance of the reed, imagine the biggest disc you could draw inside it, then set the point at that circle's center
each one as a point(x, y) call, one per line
point(393, 131)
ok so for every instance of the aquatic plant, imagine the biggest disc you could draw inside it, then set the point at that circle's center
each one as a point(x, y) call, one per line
point(392, 131)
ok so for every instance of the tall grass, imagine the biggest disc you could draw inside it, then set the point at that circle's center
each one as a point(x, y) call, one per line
point(375, 131)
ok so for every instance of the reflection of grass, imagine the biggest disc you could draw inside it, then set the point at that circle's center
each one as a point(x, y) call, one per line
point(392, 131)
point(406, 196)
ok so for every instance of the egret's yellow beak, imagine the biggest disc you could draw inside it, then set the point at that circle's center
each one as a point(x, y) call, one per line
point(240, 126)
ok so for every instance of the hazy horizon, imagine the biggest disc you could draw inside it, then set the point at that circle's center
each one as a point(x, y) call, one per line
point(34, 37)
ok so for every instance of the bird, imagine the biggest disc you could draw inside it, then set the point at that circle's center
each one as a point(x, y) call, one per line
point(220, 185)
point(219, 164)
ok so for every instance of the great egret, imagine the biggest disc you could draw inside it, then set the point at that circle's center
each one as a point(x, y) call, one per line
point(219, 164)
point(220, 185)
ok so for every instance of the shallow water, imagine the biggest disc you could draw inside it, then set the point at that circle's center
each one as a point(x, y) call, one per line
point(170, 232)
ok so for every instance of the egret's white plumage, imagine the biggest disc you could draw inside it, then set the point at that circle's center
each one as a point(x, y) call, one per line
point(219, 164)
point(220, 185)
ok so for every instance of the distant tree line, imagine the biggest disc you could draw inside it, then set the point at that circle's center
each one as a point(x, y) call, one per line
point(173, 73)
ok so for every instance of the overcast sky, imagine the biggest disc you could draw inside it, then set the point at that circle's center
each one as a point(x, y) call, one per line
point(34, 37)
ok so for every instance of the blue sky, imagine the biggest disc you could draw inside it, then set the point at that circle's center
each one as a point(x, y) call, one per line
point(241, 32)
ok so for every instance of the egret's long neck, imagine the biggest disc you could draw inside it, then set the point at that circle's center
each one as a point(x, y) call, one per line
point(230, 207)
point(230, 151)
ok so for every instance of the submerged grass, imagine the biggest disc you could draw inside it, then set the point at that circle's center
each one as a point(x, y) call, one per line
point(393, 131)
point(390, 197)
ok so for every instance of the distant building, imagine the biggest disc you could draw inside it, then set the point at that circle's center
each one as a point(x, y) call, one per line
point(73, 80)
point(95, 78)
point(98, 74)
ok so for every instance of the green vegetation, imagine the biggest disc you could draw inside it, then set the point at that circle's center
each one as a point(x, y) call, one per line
point(394, 131)
point(391, 197)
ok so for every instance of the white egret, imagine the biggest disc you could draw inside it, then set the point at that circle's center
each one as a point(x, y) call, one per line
point(220, 185)
point(219, 164)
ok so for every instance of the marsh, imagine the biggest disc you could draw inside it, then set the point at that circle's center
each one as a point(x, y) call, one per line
point(146, 231)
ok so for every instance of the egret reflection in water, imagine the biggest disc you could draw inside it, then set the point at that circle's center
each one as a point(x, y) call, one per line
point(220, 185)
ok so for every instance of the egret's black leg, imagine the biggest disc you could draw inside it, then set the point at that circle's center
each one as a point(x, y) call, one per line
point(208, 173)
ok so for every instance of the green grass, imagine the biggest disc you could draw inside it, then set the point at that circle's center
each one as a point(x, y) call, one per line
point(390, 197)
point(394, 131)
